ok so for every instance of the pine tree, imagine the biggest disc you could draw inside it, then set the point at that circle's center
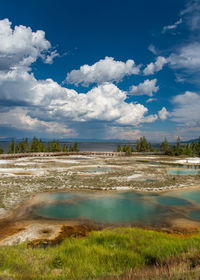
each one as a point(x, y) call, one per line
point(58, 147)
point(65, 149)
point(132, 149)
point(34, 145)
point(55, 146)
point(75, 147)
point(41, 147)
point(143, 146)
point(124, 149)
point(71, 148)
point(11, 148)
point(119, 149)
point(1, 150)
point(22, 147)
point(48, 149)
point(179, 149)
point(198, 146)
point(165, 146)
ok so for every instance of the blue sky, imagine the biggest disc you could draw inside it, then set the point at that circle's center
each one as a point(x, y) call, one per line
point(100, 69)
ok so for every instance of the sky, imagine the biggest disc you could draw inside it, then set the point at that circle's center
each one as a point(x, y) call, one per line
point(114, 69)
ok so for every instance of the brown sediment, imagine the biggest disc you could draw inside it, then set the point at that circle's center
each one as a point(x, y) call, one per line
point(83, 231)
point(75, 229)
point(21, 173)
point(79, 231)
point(8, 228)
point(182, 232)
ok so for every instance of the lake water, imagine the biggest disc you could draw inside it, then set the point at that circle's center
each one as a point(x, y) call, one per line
point(85, 146)
point(120, 208)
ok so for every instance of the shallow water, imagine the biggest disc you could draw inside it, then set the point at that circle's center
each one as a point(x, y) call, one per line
point(188, 171)
point(177, 165)
point(120, 208)
point(106, 209)
point(80, 158)
point(99, 169)
point(170, 200)
point(193, 195)
point(195, 215)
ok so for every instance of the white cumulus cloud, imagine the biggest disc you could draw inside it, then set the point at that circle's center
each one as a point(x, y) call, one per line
point(155, 66)
point(20, 46)
point(104, 103)
point(148, 87)
point(105, 70)
point(163, 114)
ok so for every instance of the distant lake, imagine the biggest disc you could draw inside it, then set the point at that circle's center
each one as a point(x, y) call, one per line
point(84, 146)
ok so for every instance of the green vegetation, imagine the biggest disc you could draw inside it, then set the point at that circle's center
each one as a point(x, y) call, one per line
point(37, 146)
point(104, 253)
point(191, 149)
point(143, 146)
point(1, 150)
point(126, 149)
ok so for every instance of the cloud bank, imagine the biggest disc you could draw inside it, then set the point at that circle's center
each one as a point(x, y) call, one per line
point(43, 105)
point(186, 111)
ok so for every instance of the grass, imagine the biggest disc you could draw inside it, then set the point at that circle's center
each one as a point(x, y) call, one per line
point(105, 254)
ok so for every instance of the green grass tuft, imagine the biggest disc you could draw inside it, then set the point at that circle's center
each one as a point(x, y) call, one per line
point(103, 253)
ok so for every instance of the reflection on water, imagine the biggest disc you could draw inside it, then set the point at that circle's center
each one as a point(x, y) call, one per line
point(124, 207)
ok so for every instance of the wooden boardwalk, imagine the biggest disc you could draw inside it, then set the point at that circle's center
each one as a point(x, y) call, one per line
point(20, 155)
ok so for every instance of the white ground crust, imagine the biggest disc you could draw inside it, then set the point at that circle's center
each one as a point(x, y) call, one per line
point(34, 231)
point(195, 160)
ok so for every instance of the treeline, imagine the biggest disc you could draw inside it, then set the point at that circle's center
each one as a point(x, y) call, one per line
point(191, 149)
point(38, 146)
point(126, 149)
point(141, 146)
